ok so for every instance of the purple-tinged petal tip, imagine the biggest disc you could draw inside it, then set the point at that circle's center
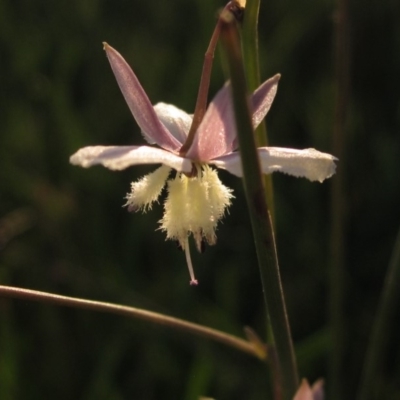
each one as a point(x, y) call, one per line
point(216, 133)
point(304, 392)
point(139, 103)
point(263, 97)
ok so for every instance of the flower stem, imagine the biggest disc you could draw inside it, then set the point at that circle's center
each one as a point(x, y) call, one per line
point(251, 62)
point(55, 299)
point(250, 40)
point(252, 67)
point(259, 213)
point(201, 102)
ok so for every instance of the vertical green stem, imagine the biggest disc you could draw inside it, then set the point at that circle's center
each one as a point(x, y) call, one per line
point(387, 309)
point(259, 213)
point(251, 62)
point(252, 68)
point(250, 47)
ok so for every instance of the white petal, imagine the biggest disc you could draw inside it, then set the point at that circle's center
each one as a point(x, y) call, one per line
point(308, 163)
point(231, 162)
point(121, 157)
point(175, 120)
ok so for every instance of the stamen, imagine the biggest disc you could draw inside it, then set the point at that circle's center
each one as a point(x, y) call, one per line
point(193, 280)
point(147, 190)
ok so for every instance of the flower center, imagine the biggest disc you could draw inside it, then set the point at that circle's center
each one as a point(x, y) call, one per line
point(193, 206)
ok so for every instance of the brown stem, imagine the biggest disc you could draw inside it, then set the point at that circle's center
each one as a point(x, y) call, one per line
point(201, 103)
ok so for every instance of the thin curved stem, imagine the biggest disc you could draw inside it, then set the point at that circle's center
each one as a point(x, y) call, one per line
point(201, 102)
point(160, 319)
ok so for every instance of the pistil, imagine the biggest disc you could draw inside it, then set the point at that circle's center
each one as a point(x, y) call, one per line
point(193, 280)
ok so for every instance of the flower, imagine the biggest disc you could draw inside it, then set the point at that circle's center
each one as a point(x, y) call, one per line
point(305, 392)
point(196, 198)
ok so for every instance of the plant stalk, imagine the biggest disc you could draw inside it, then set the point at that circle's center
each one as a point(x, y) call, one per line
point(252, 67)
point(259, 213)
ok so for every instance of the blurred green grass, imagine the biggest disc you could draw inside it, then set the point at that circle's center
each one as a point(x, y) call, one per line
point(69, 233)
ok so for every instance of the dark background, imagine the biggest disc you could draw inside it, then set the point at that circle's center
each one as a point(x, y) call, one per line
point(63, 228)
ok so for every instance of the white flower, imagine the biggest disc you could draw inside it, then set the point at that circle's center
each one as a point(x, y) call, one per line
point(196, 198)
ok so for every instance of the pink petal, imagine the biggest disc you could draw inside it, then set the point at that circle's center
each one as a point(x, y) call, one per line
point(216, 135)
point(304, 392)
point(217, 131)
point(262, 99)
point(318, 390)
point(121, 157)
point(139, 103)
